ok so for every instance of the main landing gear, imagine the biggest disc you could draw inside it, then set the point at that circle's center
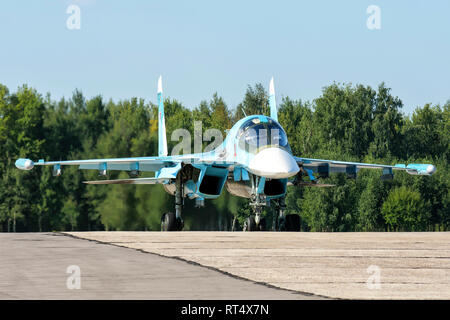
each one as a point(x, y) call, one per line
point(169, 222)
point(282, 221)
point(172, 221)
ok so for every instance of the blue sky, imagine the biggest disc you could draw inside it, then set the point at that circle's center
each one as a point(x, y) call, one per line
point(202, 47)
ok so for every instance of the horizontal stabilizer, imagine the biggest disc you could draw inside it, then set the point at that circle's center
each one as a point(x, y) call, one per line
point(129, 181)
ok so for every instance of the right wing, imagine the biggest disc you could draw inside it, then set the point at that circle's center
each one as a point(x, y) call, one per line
point(126, 164)
point(130, 181)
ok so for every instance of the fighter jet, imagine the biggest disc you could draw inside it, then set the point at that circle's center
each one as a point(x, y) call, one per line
point(254, 161)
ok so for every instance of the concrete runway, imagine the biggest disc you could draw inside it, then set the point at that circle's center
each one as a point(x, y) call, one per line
point(215, 265)
point(34, 266)
point(336, 265)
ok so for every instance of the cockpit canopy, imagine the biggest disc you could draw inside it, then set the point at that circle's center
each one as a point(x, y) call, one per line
point(255, 134)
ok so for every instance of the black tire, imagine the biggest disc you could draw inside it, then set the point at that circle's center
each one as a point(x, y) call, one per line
point(262, 224)
point(281, 224)
point(251, 224)
point(163, 219)
point(168, 222)
point(235, 225)
point(179, 224)
point(292, 222)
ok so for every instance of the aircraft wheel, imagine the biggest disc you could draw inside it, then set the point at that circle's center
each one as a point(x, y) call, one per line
point(281, 224)
point(250, 224)
point(262, 224)
point(179, 224)
point(235, 224)
point(168, 222)
point(292, 222)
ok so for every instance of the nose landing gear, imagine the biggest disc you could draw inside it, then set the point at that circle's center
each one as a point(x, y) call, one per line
point(255, 222)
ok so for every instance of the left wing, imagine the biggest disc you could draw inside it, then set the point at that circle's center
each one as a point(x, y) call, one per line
point(324, 167)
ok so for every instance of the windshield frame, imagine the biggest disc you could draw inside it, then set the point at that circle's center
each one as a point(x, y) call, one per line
point(255, 135)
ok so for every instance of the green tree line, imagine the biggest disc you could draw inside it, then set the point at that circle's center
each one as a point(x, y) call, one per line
point(347, 122)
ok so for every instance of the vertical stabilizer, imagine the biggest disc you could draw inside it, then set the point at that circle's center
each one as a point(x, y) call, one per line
point(272, 101)
point(162, 138)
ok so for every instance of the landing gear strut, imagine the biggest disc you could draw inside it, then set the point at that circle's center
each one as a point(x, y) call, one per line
point(179, 201)
point(258, 202)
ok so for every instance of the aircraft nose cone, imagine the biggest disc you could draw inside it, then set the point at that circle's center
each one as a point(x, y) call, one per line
point(273, 163)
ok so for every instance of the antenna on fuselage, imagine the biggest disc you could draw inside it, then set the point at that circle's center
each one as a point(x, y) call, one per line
point(242, 108)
